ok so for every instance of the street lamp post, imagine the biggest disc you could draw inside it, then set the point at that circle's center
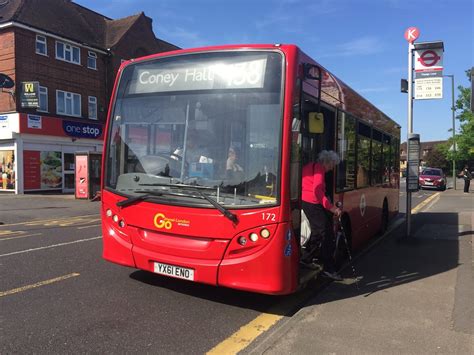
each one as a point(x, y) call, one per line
point(454, 128)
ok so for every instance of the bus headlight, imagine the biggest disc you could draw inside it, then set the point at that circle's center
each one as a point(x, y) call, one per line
point(253, 237)
point(265, 233)
point(109, 213)
point(116, 218)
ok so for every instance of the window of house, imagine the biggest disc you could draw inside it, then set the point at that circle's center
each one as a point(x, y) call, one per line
point(41, 45)
point(43, 99)
point(68, 103)
point(68, 53)
point(91, 60)
point(93, 107)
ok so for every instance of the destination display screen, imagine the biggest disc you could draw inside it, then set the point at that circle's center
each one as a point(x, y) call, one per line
point(242, 72)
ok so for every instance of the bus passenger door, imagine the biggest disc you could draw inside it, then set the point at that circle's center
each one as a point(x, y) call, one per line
point(318, 135)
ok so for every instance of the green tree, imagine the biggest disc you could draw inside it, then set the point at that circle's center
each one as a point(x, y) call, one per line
point(465, 136)
point(436, 158)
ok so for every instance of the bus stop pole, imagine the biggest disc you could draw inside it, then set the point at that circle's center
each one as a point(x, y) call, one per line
point(409, 132)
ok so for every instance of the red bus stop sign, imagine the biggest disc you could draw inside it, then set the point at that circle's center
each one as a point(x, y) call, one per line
point(411, 34)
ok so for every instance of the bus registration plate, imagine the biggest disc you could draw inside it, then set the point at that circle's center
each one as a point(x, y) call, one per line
point(174, 271)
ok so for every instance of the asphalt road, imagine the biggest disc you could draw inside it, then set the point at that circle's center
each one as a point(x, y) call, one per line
point(57, 295)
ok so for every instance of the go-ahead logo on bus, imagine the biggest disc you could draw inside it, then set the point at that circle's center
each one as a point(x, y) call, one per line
point(161, 221)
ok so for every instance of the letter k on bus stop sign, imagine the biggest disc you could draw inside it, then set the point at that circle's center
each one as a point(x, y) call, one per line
point(412, 34)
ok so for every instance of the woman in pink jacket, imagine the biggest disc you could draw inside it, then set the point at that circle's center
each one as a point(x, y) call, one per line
point(320, 211)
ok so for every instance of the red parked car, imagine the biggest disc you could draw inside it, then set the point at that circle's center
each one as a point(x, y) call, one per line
point(432, 178)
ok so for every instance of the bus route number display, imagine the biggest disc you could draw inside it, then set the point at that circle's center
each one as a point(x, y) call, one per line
point(244, 74)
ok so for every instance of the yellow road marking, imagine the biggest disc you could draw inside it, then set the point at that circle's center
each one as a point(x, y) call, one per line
point(245, 335)
point(9, 233)
point(42, 221)
point(38, 284)
point(424, 203)
point(20, 236)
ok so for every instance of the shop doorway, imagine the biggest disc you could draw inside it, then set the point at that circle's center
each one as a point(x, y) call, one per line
point(68, 173)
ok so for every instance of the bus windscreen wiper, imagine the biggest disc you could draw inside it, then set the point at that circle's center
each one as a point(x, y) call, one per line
point(198, 188)
point(179, 185)
point(219, 207)
point(131, 200)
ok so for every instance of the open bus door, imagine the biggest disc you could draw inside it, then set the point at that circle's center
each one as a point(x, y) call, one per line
point(318, 133)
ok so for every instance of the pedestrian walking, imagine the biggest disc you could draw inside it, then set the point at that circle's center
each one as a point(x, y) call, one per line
point(467, 176)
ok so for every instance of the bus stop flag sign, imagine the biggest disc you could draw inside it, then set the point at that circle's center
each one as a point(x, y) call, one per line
point(412, 34)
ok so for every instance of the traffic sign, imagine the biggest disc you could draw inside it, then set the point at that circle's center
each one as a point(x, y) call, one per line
point(429, 60)
point(412, 34)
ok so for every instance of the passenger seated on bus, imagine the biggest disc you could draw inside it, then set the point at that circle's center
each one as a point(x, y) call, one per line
point(319, 210)
point(233, 170)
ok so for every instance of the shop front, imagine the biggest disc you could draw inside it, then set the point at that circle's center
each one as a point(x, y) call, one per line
point(38, 153)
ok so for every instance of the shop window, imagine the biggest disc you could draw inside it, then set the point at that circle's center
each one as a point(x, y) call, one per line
point(68, 103)
point(7, 170)
point(346, 138)
point(92, 107)
point(43, 99)
point(41, 45)
point(68, 53)
point(92, 60)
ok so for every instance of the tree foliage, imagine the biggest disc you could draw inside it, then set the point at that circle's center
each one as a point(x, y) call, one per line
point(465, 136)
point(436, 158)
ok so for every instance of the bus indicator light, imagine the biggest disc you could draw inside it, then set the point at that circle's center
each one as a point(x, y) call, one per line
point(108, 213)
point(242, 240)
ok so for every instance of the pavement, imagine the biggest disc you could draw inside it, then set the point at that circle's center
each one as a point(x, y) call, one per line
point(413, 295)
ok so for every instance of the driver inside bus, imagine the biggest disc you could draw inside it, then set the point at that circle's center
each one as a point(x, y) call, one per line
point(196, 151)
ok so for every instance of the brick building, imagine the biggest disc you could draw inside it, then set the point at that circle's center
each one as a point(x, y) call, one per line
point(71, 56)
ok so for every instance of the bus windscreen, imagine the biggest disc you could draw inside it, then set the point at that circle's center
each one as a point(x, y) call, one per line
point(208, 120)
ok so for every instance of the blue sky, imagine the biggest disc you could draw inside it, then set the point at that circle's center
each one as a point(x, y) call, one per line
point(360, 41)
